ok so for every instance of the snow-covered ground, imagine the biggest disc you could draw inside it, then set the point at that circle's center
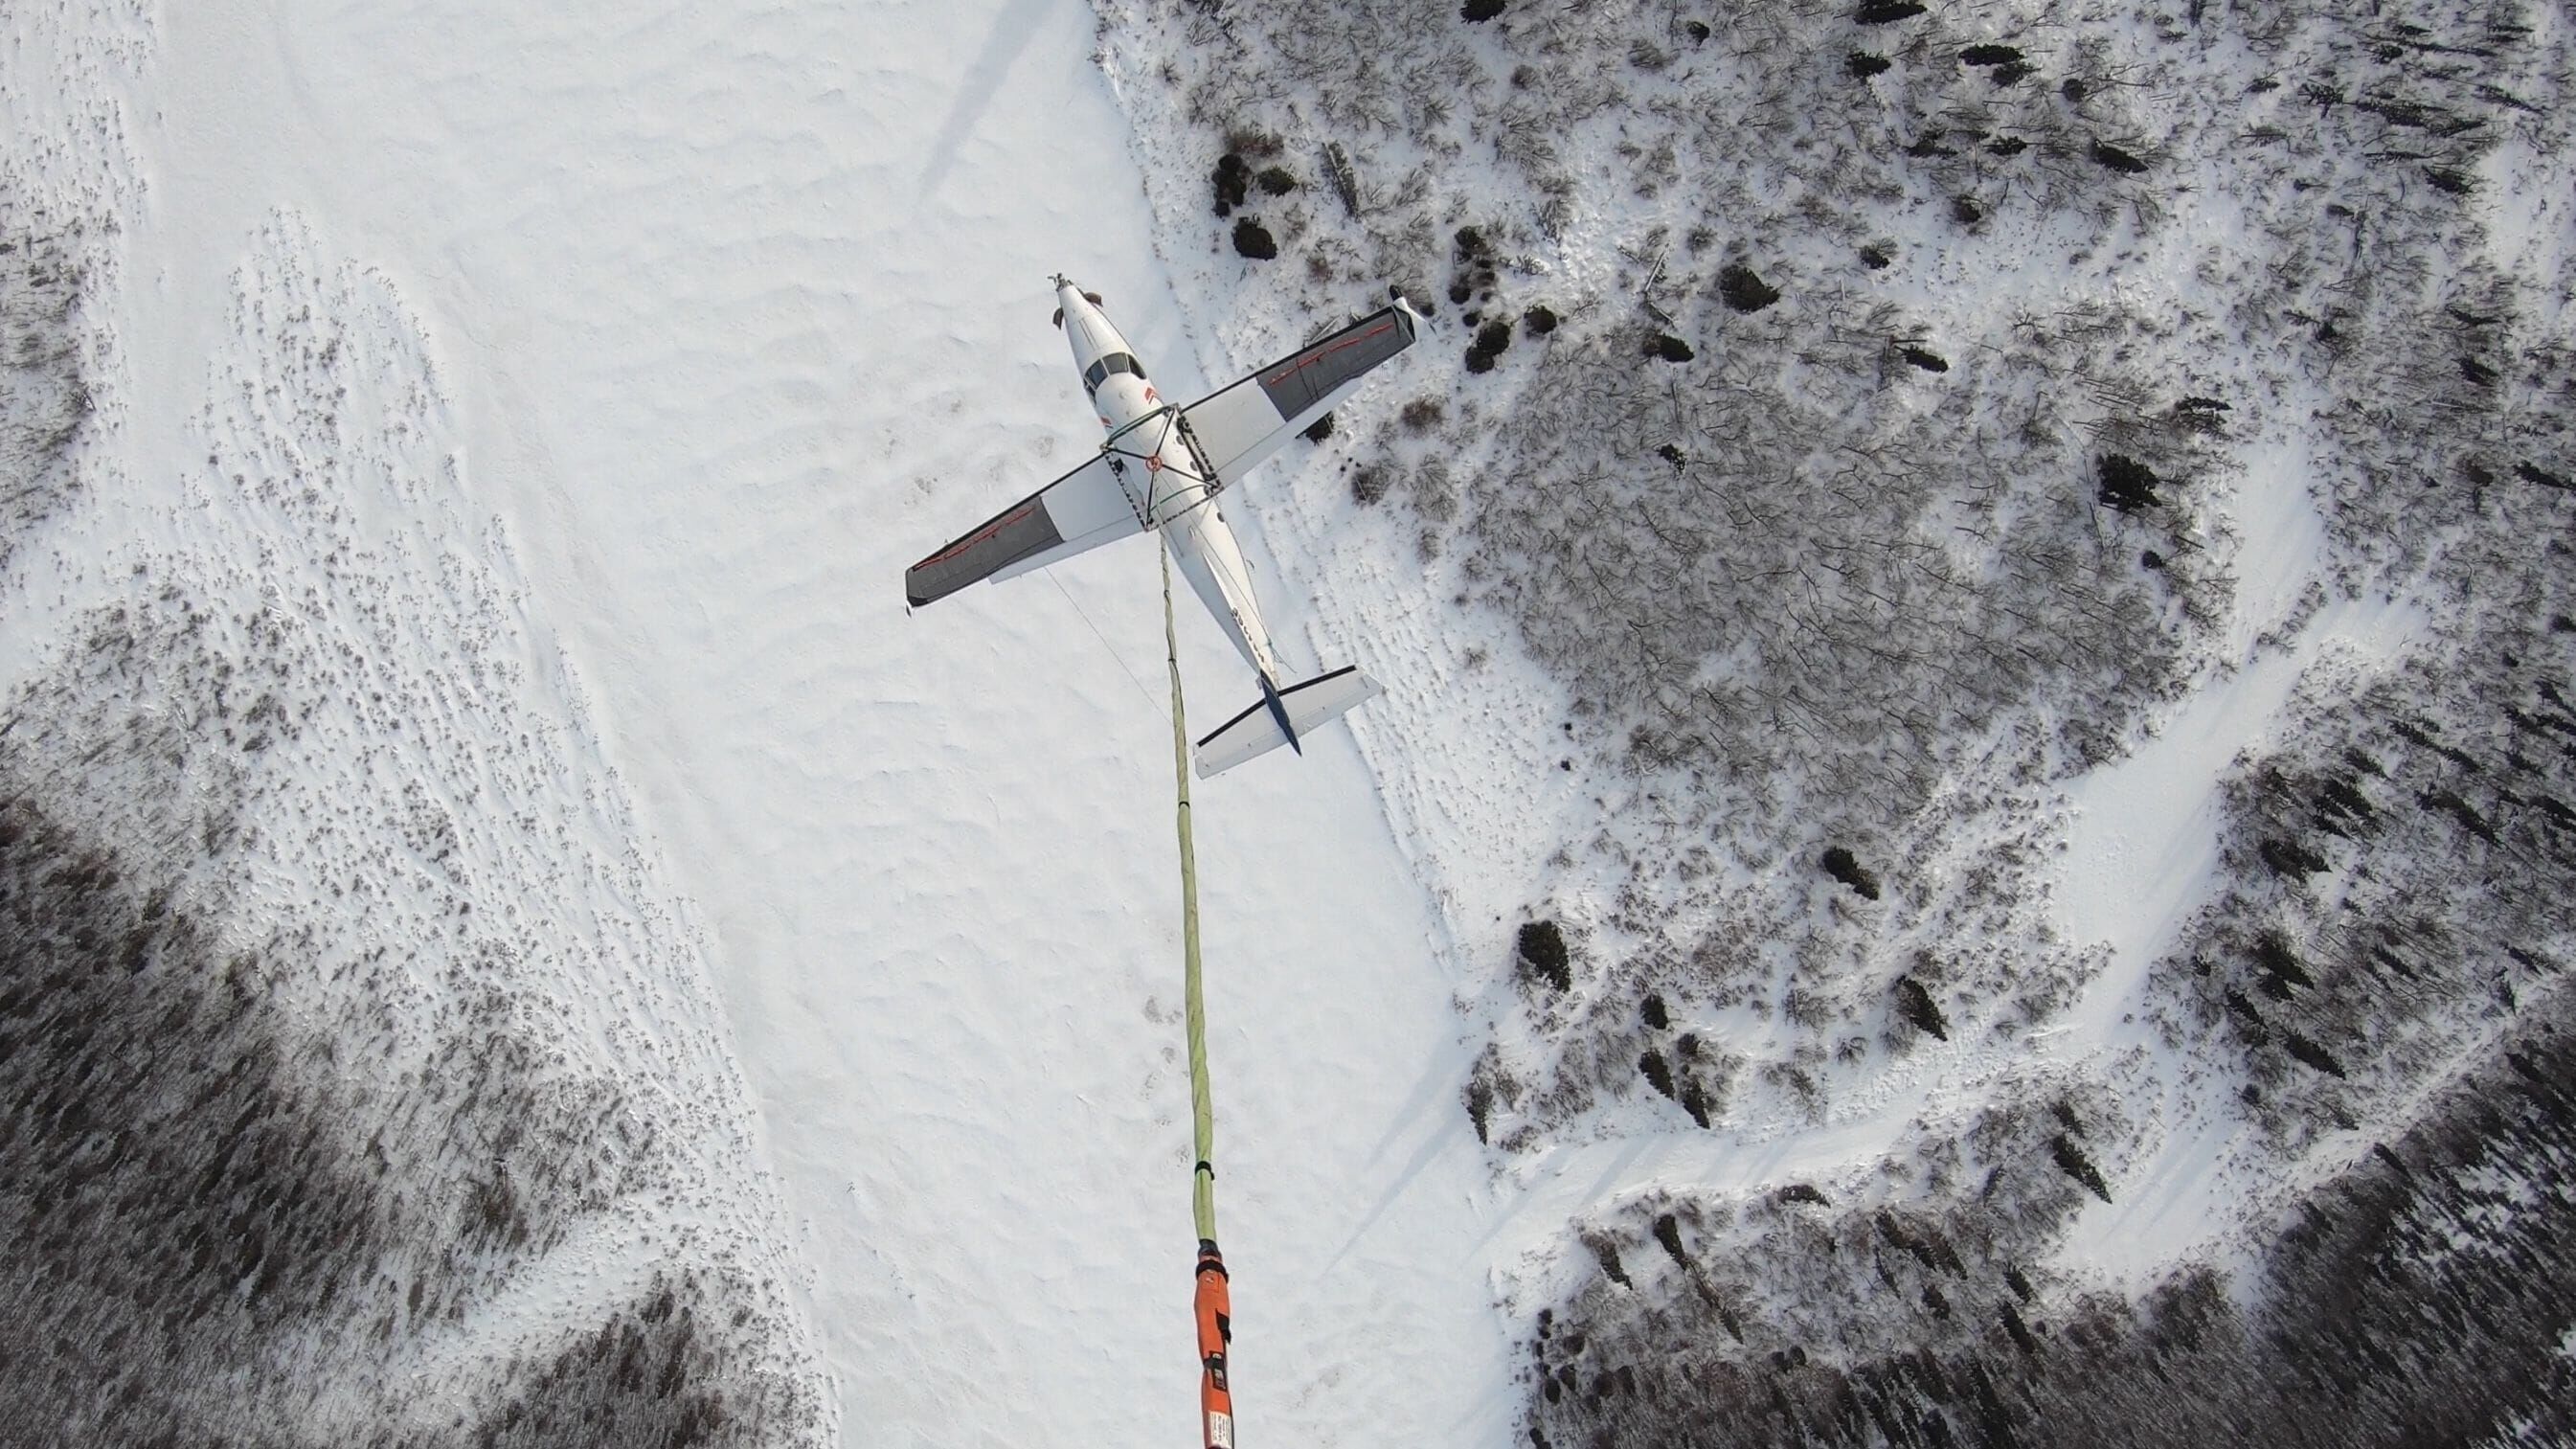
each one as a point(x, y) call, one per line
point(721, 319)
point(567, 387)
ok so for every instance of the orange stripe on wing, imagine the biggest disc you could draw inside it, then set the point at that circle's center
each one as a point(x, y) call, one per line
point(972, 539)
point(1329, 351)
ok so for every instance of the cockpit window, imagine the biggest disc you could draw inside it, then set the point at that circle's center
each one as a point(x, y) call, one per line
point(1116, 362)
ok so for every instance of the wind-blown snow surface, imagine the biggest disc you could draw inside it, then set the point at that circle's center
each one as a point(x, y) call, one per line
point(665, 340)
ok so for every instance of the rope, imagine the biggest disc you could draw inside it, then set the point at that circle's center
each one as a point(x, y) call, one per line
point(1096, 634)
point(1213, 1303)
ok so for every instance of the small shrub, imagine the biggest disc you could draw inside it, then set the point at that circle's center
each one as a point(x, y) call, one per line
point(1276, 180)
point(2071, 1160)
point(2020, 1331)
point(1480, 1104)
point(1863, 65)
point(1253, 240)
point(1966, 212)
point(1886, 12)
point(1840, 864)
point(2007, 146)
point(2312, 1054)
point(1743, 291)
point(1876, 258)
point(1494, 337)
point(1232, 182)
point(1479, 360)
point(1695, 1102)
point(1543, 956)
point(2112, 158)
point(1369, 484)
point(1802, 1192)
point(1539, 320)
point(1659, 1073)
point(2272, 952)
point(1651, 1011)
point(1322, 429)
point(2290, 858)
point(2127, 484)
point(1668, 1231)
point(1990, 55)
point(1928, 361)
point(1668, 347)
point(1916, 1005)
point(1480, 10)
point(1422, 414)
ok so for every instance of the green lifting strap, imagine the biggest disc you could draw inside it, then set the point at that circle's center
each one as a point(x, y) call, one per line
point(1202, 1115)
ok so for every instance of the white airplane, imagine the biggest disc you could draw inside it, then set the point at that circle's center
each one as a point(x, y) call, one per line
point(1162, 468)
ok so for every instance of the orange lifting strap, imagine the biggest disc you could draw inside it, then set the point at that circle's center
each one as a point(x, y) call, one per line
point(1216, 1330)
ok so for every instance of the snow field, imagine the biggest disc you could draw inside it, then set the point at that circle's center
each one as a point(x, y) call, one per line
point(722, 320)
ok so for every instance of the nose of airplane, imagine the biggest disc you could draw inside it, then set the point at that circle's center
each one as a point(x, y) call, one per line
point(1089, 333)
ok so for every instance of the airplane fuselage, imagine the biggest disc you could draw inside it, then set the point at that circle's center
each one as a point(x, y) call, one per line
point(1164, 478)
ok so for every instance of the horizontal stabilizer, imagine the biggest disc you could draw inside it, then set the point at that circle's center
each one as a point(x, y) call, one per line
point(1306, 707)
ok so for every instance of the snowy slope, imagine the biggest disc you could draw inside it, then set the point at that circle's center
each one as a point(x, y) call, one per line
point(1613, 162)
point(728, 316)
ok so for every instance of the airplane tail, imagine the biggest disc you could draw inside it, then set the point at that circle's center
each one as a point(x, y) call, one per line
point(1284, 717)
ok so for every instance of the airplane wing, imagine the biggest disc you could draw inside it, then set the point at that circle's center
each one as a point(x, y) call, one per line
point(1238, 426)
point(1081, 510)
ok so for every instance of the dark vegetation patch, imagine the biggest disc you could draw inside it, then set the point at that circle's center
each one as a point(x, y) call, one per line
point(1252, 239)
point(1543, 957)
point(1743, 291)
point(2112, 158)
point(45, 400)
point(2126, 484)
point(1928, 361)
point(1668, 348)
point(1863, 65)
point(2413, 1233)
point(1839, 863)
point(199, 1246)
point(1233, 182)
point(1914, 1003)
point(1886, 12)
